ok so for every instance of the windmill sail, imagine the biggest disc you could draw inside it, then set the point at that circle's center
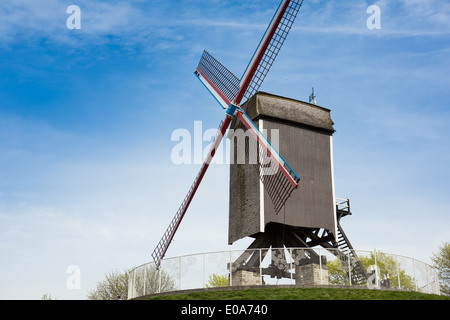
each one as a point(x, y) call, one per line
point(268, 48)
point(167, 238)
point(278, 178)
point(221, 82)
point(229, 91)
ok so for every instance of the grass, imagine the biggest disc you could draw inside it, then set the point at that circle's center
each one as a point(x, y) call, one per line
point(300, 294)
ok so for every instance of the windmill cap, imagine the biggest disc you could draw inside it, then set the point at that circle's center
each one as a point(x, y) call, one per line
point(264, 104)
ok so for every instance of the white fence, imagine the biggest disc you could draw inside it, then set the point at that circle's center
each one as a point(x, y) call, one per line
point(288, 266)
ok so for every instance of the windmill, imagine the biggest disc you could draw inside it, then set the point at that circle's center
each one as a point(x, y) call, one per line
point(229, 91)
point(310, 217)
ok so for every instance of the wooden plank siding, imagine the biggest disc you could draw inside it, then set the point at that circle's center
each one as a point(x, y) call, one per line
point(305, 142)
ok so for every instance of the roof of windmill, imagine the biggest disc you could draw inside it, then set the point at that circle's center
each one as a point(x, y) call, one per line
point(300, 112)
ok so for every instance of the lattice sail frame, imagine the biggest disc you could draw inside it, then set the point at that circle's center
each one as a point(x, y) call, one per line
point(168, 236)
point(229, 92)
point(272, 48)
point(215, 74)
point(277, 176)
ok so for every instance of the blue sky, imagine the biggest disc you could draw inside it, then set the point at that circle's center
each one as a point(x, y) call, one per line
point(86, 118)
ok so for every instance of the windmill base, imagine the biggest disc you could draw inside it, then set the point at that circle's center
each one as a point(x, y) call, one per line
point(305, 275)
point(246, 278)
point(311, 275)
point(277, 237)
point(310, 268)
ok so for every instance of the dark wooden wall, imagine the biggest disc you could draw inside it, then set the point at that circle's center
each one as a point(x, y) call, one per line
point(305, 133)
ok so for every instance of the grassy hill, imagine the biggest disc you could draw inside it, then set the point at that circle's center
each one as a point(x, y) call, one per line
point(299, 294)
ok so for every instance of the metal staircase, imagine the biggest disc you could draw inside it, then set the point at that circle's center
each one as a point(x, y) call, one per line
point(353, 267)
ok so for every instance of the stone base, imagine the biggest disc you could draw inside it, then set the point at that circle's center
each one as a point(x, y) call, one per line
point(311, 275)
point(246, 278)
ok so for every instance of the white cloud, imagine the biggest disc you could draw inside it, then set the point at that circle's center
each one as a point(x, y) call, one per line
point(28, 20)
point(133, 22)
point(399, 19)
point(136, 20)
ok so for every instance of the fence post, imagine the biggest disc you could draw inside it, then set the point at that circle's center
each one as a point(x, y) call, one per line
point(349, 269)
point(260, 267)
point(159, 280)
point(179, 274)
point(231, 272)
point(290, 264)
point(376, 268)
point(320, 266)
point(134, 284)
point(414, 268)
point(130, 287)
point(145, 277)
point(204, 271)
point(437, 285)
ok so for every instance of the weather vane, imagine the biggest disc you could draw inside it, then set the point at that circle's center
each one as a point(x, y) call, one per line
point(312, 97)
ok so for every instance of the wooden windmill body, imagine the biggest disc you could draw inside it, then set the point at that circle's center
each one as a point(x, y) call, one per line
point(305, 133)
